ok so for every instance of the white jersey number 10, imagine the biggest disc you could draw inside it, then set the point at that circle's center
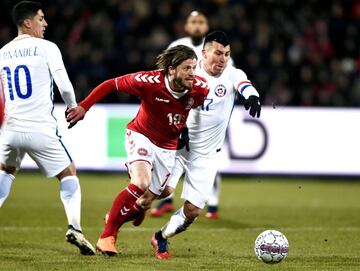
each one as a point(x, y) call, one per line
point(15, 82)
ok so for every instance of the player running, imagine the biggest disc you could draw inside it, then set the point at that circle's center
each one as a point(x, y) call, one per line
point(167, 96)
point(207, 128)
point(28, 65)
point(196, 26)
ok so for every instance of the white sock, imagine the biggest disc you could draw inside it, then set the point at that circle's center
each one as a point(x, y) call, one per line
point(6, 181)
point(215, 191)
point(70, 194)
point(178, 223)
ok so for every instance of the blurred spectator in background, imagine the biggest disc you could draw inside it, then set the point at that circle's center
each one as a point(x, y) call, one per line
point(303, 53)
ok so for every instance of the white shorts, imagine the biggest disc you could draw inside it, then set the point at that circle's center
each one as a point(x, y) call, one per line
point(140, 148)
point(48, 151)
point(200, 172)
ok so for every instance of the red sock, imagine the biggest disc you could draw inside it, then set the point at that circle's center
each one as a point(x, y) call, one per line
point(123, 209)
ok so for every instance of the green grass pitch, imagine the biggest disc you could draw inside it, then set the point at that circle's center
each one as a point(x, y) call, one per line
point(321, 220)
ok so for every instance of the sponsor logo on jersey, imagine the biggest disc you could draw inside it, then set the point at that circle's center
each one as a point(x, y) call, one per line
point(220, 90)
point(189, 103)
point(162, 100)
point(142, 152)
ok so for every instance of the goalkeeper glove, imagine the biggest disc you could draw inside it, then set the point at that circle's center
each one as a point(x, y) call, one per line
point(253, 104)
point(184, 139)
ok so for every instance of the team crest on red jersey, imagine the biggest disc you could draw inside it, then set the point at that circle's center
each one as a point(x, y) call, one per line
point(189, 103)
point(220, 90)
point(142, 152)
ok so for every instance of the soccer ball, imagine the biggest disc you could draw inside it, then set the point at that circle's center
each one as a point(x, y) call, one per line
point(271, 246)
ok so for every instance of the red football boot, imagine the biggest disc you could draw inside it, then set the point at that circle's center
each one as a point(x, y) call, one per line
point(160, 246)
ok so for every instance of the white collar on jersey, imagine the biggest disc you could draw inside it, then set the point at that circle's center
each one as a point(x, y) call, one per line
point(176, 95)
point(22, 36)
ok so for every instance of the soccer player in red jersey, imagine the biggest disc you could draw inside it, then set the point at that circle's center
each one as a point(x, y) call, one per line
point(167, 95)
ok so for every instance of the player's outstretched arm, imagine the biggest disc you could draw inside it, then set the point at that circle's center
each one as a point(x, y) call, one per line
point(74, 114)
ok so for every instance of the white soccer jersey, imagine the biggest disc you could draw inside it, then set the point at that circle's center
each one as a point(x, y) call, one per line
point(207, 123)
point(27, 67)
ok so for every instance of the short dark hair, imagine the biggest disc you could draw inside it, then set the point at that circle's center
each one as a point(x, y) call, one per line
point(218, 36)
point(174, 56)
point(24, 10)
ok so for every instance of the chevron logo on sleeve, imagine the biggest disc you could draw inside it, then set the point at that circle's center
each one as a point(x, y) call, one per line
point(124, 210)
point(199, 82)
point(147, 78)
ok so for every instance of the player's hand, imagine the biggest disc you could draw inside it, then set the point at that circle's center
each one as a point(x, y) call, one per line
point(74, 114)
point(72, 124)
point(253, 104)
point(184, 139)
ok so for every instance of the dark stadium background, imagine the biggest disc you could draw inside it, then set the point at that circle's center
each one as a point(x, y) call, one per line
point(301, 55)
point(297, 53)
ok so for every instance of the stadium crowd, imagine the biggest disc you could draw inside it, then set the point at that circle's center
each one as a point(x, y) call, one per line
point(298, 53)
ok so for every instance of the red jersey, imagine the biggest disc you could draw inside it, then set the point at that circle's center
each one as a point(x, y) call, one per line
point(162, 112)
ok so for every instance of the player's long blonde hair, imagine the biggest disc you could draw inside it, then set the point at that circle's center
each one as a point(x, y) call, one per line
point(174, 56)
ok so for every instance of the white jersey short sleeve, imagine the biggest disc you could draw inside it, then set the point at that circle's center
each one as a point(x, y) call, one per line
point(27, 65)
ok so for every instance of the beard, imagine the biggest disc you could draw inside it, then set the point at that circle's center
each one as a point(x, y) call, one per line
point(182, 84)
point(196, 40)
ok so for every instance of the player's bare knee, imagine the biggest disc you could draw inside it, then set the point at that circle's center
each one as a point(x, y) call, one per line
point(140, 173)
point(142, 183)
point(68, 171)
